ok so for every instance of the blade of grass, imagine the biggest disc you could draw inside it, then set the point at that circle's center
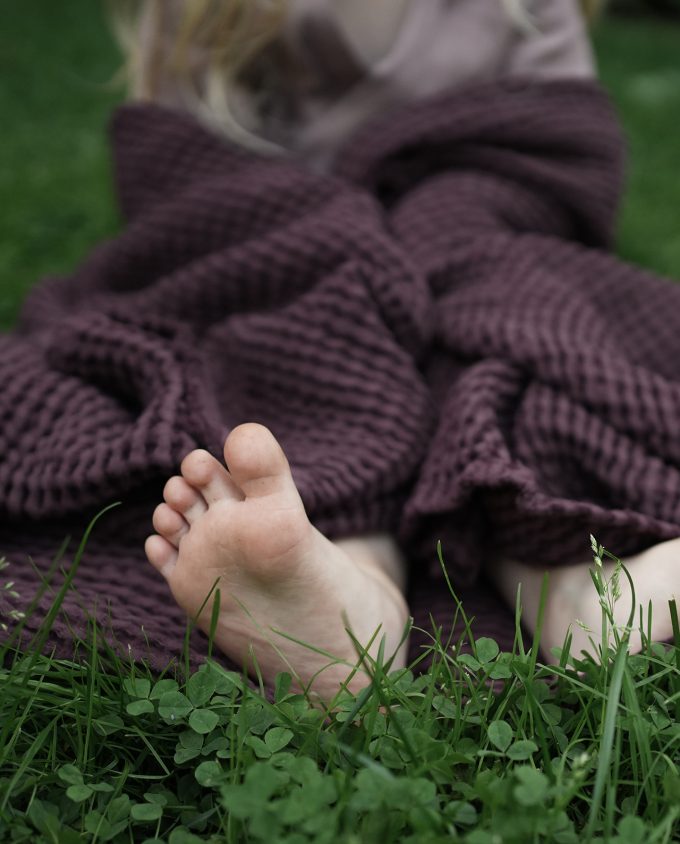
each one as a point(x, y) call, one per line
point(606, 744)
point(27, 758)
point(46, 625)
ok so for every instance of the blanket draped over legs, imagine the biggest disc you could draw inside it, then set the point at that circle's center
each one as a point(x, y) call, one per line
point(435, 333)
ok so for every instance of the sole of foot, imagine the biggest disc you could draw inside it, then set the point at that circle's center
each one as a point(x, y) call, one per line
point(245, 527)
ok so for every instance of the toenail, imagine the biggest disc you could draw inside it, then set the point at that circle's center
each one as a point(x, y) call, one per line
point(197, 462)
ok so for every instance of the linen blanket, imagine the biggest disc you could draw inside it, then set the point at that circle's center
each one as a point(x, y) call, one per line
point(435, 332)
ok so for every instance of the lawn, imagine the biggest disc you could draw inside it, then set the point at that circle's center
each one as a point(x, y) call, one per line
point(57, 65)
point(99, 750)
point(639, 64)
point(484, 748)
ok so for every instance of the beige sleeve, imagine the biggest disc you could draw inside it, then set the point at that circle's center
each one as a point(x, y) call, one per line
point(554, 42)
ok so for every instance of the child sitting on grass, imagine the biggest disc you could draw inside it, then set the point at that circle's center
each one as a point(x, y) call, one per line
point(298, 80)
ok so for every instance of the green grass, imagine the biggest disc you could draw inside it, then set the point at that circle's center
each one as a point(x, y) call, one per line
point(485, 747)
point(638, 61)
point(56, 65)
point(96, 749)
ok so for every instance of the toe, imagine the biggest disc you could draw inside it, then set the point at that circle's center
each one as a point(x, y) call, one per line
point(169, 524)
point(184, 498)
point(161, 554)
point(257, 463)
point(206, 474)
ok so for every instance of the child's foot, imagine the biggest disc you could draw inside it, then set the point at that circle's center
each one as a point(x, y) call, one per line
point(572, 595)
point(247, 525)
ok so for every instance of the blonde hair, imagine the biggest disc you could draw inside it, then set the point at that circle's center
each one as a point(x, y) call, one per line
point(196, 53)
point(199, 54)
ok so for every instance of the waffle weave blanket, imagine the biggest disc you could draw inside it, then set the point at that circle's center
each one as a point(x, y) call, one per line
point(435, 332)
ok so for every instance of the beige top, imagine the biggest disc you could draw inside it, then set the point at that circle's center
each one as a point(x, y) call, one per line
point(366, 56)
point(338, 63)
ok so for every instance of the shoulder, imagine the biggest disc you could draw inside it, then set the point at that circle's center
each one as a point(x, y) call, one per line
point(550, 40)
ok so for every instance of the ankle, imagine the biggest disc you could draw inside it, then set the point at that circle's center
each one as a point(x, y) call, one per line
point(377, 552)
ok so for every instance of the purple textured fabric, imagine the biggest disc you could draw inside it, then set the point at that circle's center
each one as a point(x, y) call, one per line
point(435, 333)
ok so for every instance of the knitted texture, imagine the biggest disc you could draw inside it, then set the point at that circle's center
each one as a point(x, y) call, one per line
point(435, 333)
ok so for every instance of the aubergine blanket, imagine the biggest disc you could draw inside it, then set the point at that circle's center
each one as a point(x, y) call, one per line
point(435, 332)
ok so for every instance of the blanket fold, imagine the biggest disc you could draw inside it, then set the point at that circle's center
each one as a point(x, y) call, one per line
point(435, 332)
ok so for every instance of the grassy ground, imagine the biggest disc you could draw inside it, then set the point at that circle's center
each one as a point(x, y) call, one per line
point(586, 751)
point(639, 65)
point(56, 64)
point(97, 750)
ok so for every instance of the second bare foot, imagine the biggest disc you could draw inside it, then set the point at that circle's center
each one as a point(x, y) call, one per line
point(572, 597)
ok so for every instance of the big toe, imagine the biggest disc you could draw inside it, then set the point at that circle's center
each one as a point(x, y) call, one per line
point(257, 462)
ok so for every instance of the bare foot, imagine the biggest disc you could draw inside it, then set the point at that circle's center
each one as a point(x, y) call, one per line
point(247, 526)
point(572, 596)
